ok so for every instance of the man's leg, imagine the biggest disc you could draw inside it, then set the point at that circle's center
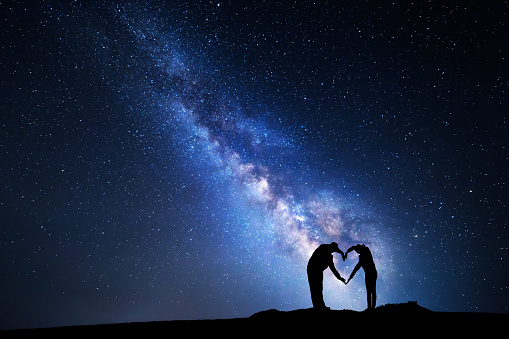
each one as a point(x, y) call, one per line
point(315, 280)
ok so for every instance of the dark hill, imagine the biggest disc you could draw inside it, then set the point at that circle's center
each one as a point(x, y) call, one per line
point(394, 320)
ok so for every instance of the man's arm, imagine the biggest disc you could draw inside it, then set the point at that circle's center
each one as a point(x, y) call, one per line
point(342, 255)
point(354, 271)
point(336, 273)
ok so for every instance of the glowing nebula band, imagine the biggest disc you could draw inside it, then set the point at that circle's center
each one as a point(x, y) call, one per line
point(210, 126)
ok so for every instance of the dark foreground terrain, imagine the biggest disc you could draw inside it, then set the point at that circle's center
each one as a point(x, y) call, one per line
point(396, 320)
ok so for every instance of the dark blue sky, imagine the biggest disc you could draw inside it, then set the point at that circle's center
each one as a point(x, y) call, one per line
point(181, 160)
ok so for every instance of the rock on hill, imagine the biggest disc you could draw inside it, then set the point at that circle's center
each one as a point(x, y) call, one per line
point(391, 320)
point(408, 308)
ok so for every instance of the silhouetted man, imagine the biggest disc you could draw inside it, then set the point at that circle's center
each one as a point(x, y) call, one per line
point(370, 274)
point(319, 261)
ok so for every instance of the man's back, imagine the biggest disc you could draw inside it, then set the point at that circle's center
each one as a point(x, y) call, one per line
point(321, 258)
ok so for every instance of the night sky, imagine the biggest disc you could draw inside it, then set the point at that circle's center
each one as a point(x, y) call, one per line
point(182, 160)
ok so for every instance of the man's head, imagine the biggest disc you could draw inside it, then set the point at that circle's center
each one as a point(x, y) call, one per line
point(334, 247)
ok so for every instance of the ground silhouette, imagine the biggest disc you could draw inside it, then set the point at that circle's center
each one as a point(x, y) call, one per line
point(391, 320)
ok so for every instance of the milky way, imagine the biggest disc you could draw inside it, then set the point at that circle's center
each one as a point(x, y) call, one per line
point(183, 161)
point(277, 218)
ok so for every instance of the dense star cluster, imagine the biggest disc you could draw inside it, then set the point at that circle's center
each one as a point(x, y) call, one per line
point(183, 159)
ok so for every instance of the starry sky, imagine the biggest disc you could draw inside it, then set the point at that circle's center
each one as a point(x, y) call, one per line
point(182, 159)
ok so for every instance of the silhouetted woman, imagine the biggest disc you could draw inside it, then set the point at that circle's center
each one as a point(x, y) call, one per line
point(370, 274)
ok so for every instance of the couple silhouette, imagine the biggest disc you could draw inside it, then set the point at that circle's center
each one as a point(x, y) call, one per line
point(322, 258)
